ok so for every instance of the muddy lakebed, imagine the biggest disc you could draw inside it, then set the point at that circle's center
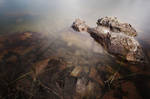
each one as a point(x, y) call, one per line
point(72, 66)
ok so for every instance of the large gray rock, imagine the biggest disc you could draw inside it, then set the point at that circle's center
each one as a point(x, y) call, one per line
point(119, 42)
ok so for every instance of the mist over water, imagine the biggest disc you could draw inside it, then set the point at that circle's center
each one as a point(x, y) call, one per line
point(53, 15)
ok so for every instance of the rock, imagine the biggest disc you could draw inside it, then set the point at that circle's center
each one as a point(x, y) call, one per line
point(79, 25)
point(131, 91)
point(84, 87)
point(109, 95)
point(26, 36)
point(116, 26)
point(76, 71)
point(81, 86)
point(40, 66)
point(114, 37)
point(95, 76)
point(119, 44)
point(125, 46)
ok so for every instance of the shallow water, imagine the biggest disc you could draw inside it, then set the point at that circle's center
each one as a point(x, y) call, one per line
point(69, 52)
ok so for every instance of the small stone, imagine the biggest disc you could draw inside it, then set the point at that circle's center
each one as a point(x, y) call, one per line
point(81, 86)
point(109, 95)
point(130, 88)
point(76, 71)
point(40, 66)
point(26, 35)
point(12, 58)
point(85, 87)
point(90, 87)
point(79, 25)
point(95, 76)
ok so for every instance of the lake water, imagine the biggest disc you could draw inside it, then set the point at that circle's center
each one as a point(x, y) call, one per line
point(53, 18)
point(54, 15)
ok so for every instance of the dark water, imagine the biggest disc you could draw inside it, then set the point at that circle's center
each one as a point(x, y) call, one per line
point(78, 51)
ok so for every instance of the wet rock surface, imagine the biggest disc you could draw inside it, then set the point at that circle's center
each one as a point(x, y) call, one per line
point(37, 66)
point(115, 37)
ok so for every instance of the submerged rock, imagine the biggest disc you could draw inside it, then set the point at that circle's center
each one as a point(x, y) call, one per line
point(76, 71)
point(115, 37)
point(84, 87)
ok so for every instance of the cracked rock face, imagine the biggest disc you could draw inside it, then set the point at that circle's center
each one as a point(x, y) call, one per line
point(115, 37)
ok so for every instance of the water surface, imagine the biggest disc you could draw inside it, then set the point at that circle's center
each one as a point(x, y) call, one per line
point(53, 15)
point(37, 35)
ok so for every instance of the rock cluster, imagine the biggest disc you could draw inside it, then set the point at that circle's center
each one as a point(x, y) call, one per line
point(116, 37)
